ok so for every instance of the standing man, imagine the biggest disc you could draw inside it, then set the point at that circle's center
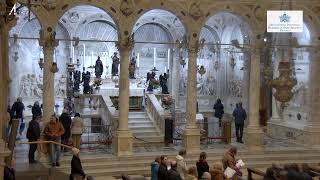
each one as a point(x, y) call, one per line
point(36, 110)
point(218, 110)
point(33, 134)
point(17, 110)
point(77, 128)
point(65, 120)
point(239, 115)
point(53, 132)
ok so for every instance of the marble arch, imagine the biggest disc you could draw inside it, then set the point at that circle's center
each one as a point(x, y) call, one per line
point(239, 11)
point(99, 5)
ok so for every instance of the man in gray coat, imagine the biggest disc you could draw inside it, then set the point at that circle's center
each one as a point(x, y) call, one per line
point(239, 115)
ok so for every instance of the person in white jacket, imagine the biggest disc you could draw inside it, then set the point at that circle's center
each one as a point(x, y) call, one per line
point(181, 164)
point(77, 130)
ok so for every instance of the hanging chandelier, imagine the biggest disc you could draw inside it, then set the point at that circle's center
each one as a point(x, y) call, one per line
point(202, 70)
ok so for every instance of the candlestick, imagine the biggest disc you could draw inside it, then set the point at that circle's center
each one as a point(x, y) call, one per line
point(72, 54)
point(168, 59)
point(154, 57)
point(91, 58)
point(138, 59)
point(84, 55)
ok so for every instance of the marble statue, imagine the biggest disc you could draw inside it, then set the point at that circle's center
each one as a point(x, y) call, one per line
point(77, 81)
point(163, 83)
point(115, 64)
point(86, 82)
point(132, 67)
point(211, 84)
point(60, 85)
point(236, 88)
point(98, 68)
point(300, 95)
point(25, 84)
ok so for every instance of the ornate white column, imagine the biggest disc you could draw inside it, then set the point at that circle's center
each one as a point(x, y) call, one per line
point(253, 133)
point(48, 43)
point(313, 125)
point(175, 78)
point(123, 138)
point(191, 139)
point(5, 25)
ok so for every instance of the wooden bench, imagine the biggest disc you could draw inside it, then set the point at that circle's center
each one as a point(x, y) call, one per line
point(254, 171)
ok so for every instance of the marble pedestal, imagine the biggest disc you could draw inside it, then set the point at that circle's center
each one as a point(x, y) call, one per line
point(253, 137)
point(191, 140)
point(122, 144)
point(294, 132)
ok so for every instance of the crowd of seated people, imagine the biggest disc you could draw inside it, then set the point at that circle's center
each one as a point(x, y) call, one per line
point(290, 172)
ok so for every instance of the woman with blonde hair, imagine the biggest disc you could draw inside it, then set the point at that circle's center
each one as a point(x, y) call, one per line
point(216, 171)
point(192, 173)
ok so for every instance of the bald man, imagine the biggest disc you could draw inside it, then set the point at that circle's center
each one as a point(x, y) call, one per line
point(172, 174)
point(206, 176)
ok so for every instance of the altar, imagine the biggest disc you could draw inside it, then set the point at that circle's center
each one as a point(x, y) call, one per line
point(136, 93)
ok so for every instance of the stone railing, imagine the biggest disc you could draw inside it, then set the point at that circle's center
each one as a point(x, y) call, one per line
point(156, 112)
point(99, 106)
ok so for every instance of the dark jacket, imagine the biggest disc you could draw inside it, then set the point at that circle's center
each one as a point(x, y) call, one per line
point(202, 166)
point(76, 168)
point(218, 110)
point(162, 173)
point(36, 111)
point(172, 174)
point(17, 109)
point(239, 115)
point(33, 132)
point(154, 170)
point(66, 121)
point(9, 174)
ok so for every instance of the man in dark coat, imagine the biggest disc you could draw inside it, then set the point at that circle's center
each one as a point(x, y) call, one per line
point(36, 110)
point(218, 110)
point(17, 110)
point(172, 174)
point(9, 172)
point(239, 115)
point(66, 121)
point(33, 134)
point(163, 171)
point(76, 167)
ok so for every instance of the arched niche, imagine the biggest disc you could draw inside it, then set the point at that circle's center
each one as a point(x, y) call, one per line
point(226, 74)
point(301, 68)
point(24, 55)
point(97, 33)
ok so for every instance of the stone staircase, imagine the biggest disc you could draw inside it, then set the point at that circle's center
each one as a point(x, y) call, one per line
point(143, 129)
point(107, 165)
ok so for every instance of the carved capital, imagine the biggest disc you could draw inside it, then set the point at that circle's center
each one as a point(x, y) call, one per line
point(127, 7)
point(195, 10)
point(48, 39)
point(126, 43)
point(194, 47)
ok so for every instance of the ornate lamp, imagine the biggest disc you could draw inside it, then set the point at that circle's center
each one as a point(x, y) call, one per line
point(232, 62)
point(182, 61)
point(54, 68)
point(41, 63)
point(202, 70)
point(284, 83)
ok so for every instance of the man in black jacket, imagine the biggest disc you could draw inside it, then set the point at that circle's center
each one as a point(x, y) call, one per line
point(17, 110)
point(240, 116)
point(66, 121)
point(76, 167)
point(36, 110)
point(172, 173)
point(33, 134)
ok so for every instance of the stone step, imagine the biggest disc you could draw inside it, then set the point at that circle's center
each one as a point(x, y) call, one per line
point(138, 123)
point(142, 119)
point(138, 115)
point(145, 135)
point(141, 125)
point(145, 170)
point(142, 129)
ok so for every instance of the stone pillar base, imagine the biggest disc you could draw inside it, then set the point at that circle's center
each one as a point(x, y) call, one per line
point(191, 140)
point(312, 134)
point(254, 138)
point(122, 144)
